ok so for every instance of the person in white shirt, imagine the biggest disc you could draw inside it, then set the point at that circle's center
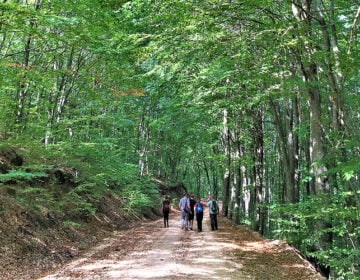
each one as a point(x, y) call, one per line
point(184, 206)
point(213, 211)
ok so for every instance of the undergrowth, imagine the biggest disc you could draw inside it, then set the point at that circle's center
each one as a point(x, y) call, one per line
point(98, 172)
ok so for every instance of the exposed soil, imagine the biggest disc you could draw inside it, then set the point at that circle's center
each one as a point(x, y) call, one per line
point(149, 251)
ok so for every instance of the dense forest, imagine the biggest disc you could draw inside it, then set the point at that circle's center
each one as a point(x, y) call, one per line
point(256, 102)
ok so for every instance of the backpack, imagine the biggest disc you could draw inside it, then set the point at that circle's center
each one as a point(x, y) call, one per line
point(166, 206)
point(187, 209)
point(214, 207)
point(199, 208)
point(185, 205)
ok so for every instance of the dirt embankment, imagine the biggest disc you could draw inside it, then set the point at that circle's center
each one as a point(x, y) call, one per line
point(35, 235)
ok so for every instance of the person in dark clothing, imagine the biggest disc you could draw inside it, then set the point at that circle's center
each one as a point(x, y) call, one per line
point(166, 210)
point(199, 212)
point(191, 214)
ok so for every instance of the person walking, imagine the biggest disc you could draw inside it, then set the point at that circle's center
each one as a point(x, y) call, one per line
point(166, 210)
point(199, 213)
point(213, 211)
point(184, 206)
point(192, 213)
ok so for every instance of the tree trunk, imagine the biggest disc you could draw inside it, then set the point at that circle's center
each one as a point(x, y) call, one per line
point(227, 173)
point(24, 83)
point(142, 147)
point(258, 151)
point(303, 11)
point(245, 191)
point(234, 207)
point(287, 147)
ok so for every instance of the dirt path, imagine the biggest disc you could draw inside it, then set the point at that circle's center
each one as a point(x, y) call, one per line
point(153, 252)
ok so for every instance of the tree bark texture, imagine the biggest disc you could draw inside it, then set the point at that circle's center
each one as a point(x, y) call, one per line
point(227, 173)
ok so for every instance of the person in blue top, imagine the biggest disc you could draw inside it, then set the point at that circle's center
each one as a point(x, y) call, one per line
point(213, 211)
point(199, 213)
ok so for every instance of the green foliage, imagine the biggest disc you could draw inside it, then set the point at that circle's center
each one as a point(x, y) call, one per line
point(20, 176)
point(6, 106)
point(77, 207)
point(140, 197)
point(35, 198)
point(298, 224)
point(102, 163)
point(71, 224)
point(104, 170)
point(92, 190)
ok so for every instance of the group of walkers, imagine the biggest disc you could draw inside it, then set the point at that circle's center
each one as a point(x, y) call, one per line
point(190, 209)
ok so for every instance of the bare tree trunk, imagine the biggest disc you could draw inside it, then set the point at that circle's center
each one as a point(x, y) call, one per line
point(258, 170)
point(287, 147)
point(333, 73)
point(236, 197)
point(198, 180)
point(215, 185)
point(142, 147)
point(227, 173)
point(234, 205)
point(245, 191)
point(303, 11)
point(207, 176)
point(24, 83)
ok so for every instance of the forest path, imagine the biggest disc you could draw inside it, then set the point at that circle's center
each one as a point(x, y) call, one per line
point(150, 251)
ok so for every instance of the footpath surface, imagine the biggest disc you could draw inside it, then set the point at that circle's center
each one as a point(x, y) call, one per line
point(150, 251)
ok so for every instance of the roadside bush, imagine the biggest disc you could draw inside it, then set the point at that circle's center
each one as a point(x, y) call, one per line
point(297, 224)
